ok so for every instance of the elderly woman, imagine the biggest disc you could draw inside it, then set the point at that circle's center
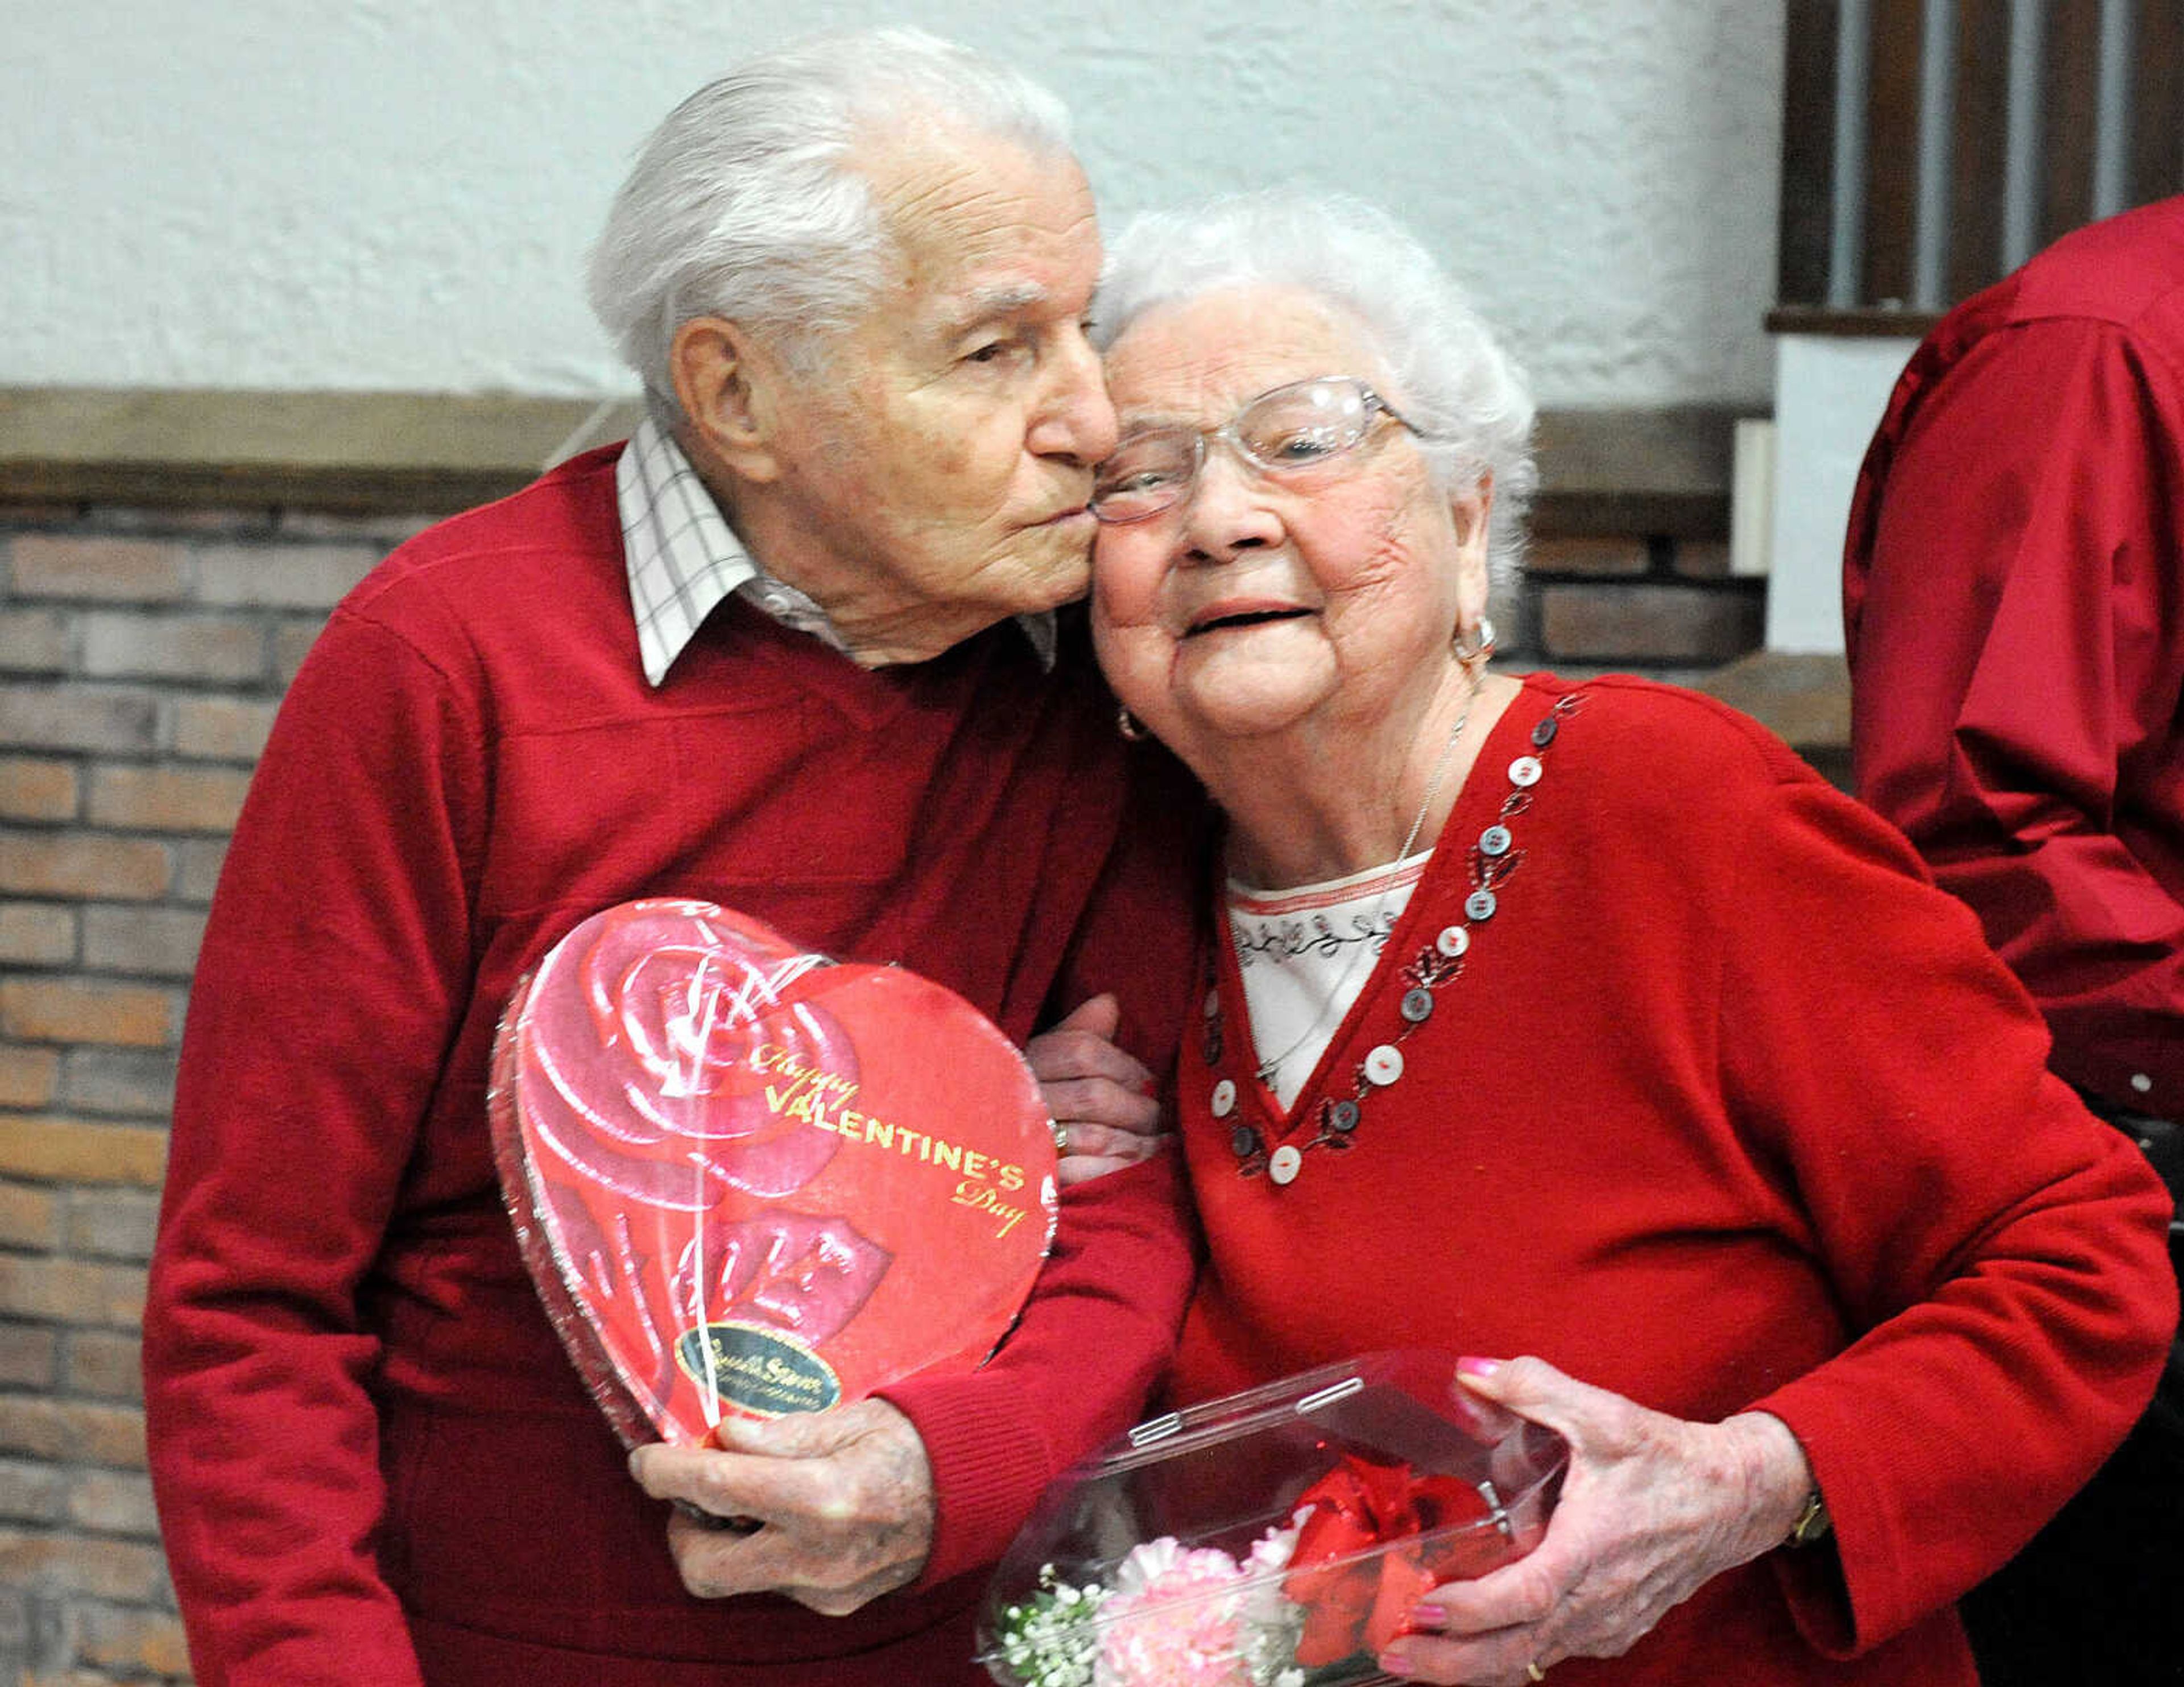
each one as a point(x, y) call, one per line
point(1580, 1021)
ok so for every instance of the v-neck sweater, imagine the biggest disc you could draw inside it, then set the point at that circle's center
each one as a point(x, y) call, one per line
point(373, 1459)
point(1727, 1108)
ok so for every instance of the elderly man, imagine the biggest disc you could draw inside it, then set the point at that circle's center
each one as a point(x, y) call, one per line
point(792, 649)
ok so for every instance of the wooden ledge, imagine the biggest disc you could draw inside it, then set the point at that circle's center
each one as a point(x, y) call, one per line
point(1867, 322)
point(1605, 472)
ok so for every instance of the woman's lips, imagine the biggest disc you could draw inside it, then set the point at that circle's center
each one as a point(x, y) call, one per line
point(1224, 616)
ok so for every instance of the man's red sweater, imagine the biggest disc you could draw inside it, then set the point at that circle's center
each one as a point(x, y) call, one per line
point(373, 1462)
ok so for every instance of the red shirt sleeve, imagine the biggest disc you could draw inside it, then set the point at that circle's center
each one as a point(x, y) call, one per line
point(2003, 1252)
point(333, 968)
point(2015, 580)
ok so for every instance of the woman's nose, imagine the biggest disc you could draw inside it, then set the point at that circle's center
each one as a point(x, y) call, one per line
point(1229, 508)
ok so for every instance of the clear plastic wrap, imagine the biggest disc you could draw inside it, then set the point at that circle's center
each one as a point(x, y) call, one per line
point(1275, 1538)
point(748, 1180)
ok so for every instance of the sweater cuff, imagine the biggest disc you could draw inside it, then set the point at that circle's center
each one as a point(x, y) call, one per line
point(989, 1457)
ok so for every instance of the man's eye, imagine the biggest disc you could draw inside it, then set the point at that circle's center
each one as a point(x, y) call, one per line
point(993, 351)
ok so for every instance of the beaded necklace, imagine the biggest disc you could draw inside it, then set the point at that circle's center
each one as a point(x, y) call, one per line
point(1333, 1123)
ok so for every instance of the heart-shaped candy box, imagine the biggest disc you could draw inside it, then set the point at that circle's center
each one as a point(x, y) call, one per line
point(749, 1180)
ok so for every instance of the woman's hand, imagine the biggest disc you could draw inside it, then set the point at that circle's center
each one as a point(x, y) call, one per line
point(831, 1509)
point(1652, 1507)
point(1101, 1096)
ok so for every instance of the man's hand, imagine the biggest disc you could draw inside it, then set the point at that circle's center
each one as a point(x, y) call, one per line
point(1101, 1096)
point(842, 1500)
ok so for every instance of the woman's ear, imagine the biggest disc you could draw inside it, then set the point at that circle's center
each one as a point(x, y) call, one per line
point(729, 388)
point(1469, 510)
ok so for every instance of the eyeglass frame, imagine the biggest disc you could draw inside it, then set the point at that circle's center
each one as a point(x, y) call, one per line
point(1374, 406)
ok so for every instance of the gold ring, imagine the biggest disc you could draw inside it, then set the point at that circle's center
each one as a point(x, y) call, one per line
point(1533, 1670)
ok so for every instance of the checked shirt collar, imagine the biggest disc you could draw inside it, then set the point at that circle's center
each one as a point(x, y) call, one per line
point(683, 559)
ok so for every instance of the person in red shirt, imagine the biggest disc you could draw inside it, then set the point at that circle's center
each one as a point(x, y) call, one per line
point(795, 648)
point(1576, 1029)
point(2013, 616)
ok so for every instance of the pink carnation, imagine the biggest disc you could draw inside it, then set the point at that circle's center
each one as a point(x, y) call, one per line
point(1174, 1619)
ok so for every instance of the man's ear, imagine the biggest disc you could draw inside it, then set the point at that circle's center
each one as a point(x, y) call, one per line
point(729, 390)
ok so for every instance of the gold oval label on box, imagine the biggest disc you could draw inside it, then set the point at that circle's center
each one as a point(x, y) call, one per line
point(758, 1370)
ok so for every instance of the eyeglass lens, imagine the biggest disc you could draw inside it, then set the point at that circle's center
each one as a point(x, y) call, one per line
point(1290, 428)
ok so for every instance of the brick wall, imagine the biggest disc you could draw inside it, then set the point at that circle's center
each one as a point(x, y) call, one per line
point(142, 655)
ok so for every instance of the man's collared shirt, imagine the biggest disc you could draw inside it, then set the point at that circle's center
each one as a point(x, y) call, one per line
point(683, 558)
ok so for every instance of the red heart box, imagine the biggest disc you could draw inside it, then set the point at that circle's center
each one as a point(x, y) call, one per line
point(747, 1180)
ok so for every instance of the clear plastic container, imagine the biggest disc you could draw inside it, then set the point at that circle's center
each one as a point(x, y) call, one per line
point(1275, 1538)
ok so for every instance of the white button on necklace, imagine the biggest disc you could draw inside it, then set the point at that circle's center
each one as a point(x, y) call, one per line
point(1284, 1164)
point(1224, 1098)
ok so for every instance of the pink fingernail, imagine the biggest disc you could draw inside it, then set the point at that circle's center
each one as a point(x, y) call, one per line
point(1428, 1617)
point(1395, 1663)
point(1471, 1366)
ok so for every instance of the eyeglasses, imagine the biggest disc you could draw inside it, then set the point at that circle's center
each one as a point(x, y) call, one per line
point(1282, 432)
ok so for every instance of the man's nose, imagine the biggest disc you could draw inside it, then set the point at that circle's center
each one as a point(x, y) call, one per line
point(1075, 419)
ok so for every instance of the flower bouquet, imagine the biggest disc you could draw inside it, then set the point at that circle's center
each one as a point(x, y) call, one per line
point(1276, 1538)
point(747, 1180)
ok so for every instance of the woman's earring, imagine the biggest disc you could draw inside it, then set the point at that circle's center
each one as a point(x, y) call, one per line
point(1132, 729)
point(1482, 643)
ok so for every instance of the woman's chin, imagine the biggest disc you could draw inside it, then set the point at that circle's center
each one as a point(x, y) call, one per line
point(1243, 700)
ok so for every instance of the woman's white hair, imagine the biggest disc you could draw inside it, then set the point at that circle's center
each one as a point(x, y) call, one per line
point(742, 204)
point(1452, 378)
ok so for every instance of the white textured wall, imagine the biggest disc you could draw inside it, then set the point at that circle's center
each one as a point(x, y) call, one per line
point(398, 193)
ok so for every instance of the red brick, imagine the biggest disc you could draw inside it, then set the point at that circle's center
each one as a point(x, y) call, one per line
point(167, 799)
point(78, 864)
point(132, 1643)
point(1701, 559)
point(66, 1010)
point(382, 532)
point(28, 1078)
point(111, 1224)
point(103, 1365)
point(74, 1430)
point(221, 728)
point(113, 1502)
point(197, 869)
point(35, 932)
point(173, 646)
point(70, 1291)
point(105, 569)
point(300, 576)
point(71, 716)
point(1589, 556)
point(292, 642)
point(62, 1150)
point(35, 642)
point(28, 1353)
point(30, 1216)
point(1650, 623)
point(126, 1570)
point(162, 942)
point(220, 520)
point(37, 787)
point(139, 1082)
point(32, 1493)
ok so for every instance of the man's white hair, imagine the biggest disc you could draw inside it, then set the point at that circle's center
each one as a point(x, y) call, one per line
point(742, 205)
point(1451, 377)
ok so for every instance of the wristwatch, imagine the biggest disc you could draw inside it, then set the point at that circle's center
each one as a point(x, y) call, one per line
point(1812, 1524)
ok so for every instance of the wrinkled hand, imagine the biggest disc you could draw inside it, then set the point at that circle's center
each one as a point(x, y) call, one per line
point(1652, 1507)
point(843, 1501)
point(1101, 1095)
